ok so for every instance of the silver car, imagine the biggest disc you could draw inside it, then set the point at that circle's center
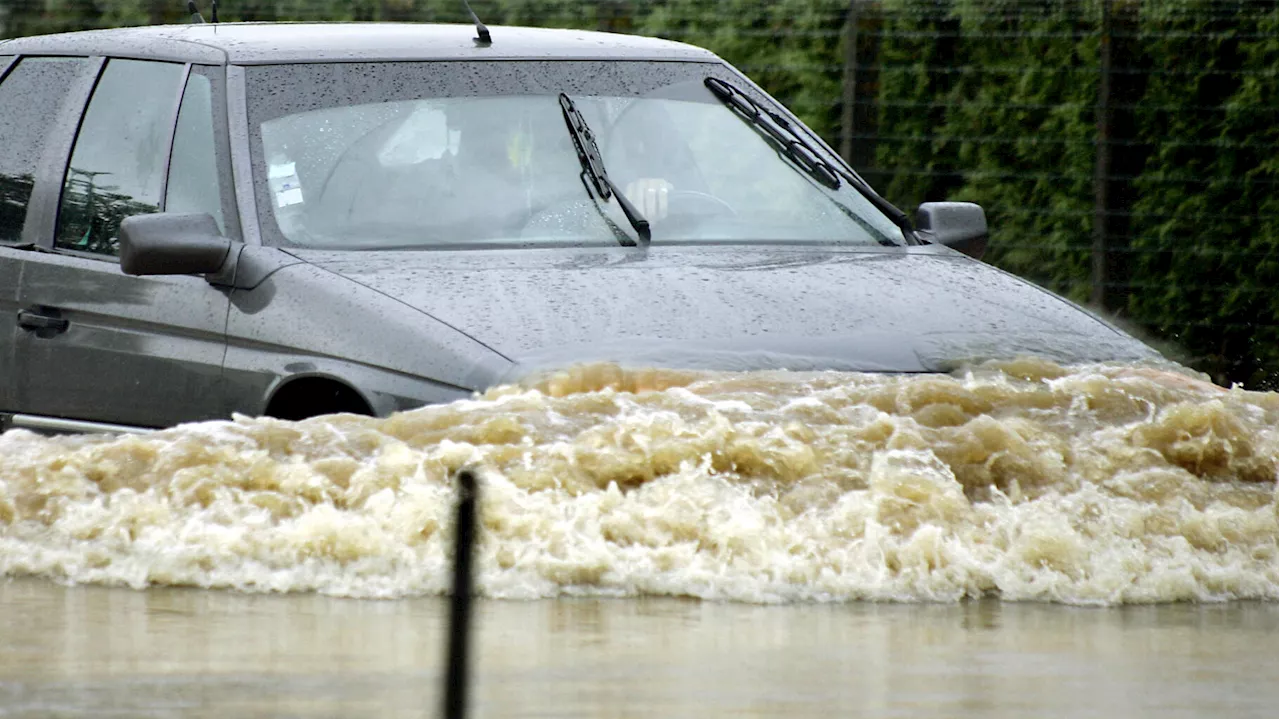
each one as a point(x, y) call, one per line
point(294, 220)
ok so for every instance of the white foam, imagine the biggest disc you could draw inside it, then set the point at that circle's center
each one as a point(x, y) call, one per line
point(1028, 481)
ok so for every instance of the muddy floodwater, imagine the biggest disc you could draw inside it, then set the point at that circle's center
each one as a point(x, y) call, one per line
point(1020, 539)
point(93, 651)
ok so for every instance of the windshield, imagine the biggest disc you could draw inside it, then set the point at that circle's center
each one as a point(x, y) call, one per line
point(445, 154)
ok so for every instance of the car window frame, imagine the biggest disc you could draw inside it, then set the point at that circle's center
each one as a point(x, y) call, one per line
point(183, 79)
point(36, 232)
point(103, 62)
point(7, 63)
point(40, 226)
point(46, 193)
point(249, 141)
point(223, 148)
point(241, 156)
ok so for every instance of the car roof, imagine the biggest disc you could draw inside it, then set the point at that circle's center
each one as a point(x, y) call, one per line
point(273, 43)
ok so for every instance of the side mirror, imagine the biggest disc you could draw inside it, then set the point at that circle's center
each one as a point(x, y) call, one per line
point(171, 244)
point(959, 225)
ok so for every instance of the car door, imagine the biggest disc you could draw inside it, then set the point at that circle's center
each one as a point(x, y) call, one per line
point(100, 345)
point(33, 91)
point(13, 201)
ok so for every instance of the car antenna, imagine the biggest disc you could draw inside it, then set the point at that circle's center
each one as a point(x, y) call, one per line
point(195, 14)
point(481, 31)
point(213, 12)
point(455, 689)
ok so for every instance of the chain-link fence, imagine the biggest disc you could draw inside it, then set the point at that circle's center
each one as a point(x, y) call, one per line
point(1125, 150)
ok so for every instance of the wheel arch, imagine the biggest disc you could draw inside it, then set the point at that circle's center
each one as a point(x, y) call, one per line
point(312, 394)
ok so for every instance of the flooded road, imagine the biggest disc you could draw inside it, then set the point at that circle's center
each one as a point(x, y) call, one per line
point(93, 651)
point(1038, 541)
point(1025, 481)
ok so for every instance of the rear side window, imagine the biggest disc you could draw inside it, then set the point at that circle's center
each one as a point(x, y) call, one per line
point(30, 98)
point(118, 165)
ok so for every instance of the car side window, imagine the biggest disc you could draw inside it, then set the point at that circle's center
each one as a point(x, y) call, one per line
point(193, 168)
point(117, 167)
point(30, 97)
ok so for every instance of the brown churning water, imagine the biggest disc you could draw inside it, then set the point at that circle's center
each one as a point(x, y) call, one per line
point(1022, 480)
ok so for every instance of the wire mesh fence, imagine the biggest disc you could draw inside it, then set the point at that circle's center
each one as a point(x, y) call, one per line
point(1125, 150)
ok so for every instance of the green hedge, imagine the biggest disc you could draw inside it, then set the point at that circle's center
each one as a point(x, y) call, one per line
point(993, 101)
point(1017, 131)
point(1206, 248)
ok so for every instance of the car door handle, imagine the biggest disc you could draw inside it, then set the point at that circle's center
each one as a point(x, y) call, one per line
point(35, 321)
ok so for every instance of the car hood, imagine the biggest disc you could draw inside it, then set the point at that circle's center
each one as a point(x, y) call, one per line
point(735, 307)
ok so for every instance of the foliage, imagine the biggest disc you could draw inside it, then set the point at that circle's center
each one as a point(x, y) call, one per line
point(790, 47)
point(1026, 129)
point(1207, 247)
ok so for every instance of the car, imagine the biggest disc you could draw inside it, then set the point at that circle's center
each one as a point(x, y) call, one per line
point(292, 220)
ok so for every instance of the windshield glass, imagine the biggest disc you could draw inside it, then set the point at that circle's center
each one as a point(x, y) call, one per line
point(445, 154)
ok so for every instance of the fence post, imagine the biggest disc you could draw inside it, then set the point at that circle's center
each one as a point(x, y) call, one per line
point(1102, 164)
point(850, 82)
point(455, 686)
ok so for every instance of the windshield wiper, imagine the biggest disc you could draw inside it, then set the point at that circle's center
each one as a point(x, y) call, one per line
point(593, 166)
point(778, 132)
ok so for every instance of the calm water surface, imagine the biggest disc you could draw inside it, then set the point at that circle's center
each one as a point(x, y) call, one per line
point(98, 651)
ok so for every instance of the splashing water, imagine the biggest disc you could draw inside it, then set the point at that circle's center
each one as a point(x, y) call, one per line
point(1023, 480)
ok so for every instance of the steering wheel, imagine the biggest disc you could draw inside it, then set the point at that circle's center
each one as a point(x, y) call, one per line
point(680, 202)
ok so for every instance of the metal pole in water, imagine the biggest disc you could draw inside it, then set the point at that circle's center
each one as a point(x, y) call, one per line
point(455, 691)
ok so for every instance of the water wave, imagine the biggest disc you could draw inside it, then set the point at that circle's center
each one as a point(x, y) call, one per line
point(1024, 480)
